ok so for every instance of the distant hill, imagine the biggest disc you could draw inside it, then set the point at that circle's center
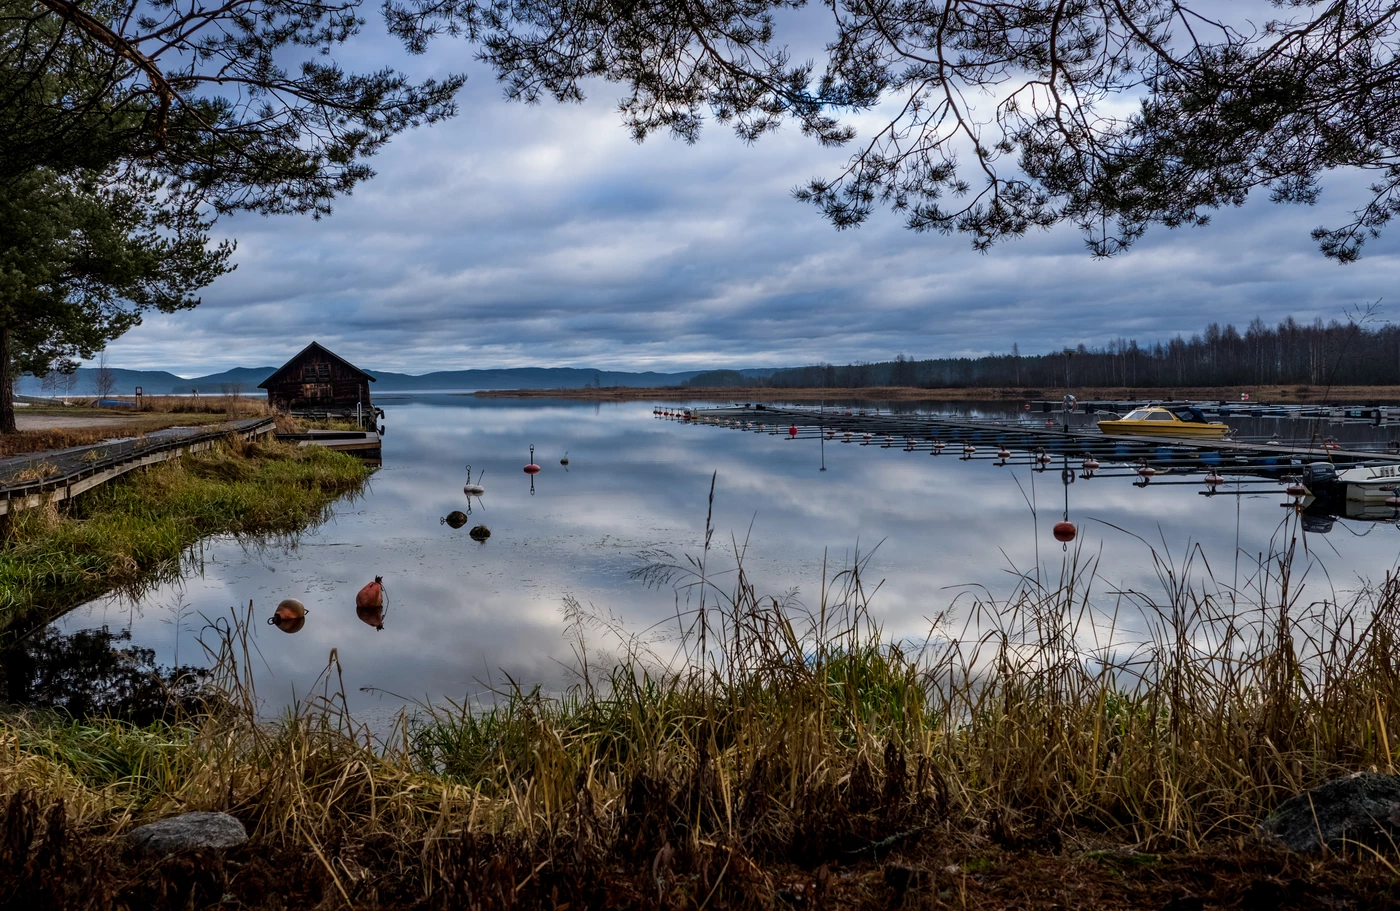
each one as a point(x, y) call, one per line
point(246, 379)
point(720, 378)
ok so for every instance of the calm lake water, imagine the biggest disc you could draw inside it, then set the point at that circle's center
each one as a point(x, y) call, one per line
point(462, 615)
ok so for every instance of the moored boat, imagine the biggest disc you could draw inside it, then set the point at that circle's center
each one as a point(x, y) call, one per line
point(1351, 488)
point(1166, 422)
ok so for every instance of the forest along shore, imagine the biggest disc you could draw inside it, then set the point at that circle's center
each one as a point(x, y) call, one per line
point(1379, 395)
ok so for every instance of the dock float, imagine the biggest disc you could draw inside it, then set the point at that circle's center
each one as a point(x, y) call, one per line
point(364, 444)
point(977, 438)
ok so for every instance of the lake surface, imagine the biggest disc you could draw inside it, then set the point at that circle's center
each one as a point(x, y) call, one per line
point(464, 617)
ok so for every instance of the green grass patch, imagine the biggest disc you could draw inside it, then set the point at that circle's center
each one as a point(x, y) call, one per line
point(138, 529)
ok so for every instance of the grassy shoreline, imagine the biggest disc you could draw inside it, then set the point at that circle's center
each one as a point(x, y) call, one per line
point(140, 527)
point(785, 757)
point(1273, 394)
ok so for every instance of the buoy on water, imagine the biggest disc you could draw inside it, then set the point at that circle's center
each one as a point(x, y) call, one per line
point(289, 617)
point(1214, 480)
point(1296, 490)
point(1146, 472)
point(480, 533)
point(456, 518)
point(792, 431)
point(532, 468)
point(565, 460)
point(1091, 465)
point(1064, 532)
point(473, 490)
point(369, 603)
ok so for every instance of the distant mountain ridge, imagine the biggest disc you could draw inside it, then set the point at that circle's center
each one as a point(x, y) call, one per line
point(246, 379)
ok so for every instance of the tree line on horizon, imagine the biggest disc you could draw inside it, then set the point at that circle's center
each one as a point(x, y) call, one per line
point(1316, 354)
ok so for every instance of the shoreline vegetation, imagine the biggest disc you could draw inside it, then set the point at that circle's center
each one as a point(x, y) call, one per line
point(84, 423)
point(123, 535)
point(1271, 394)
point(781, 756)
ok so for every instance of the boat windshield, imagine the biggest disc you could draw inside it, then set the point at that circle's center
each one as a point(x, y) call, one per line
point(1139, 415)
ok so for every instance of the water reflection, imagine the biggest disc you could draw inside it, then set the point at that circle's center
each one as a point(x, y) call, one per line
point(465, 614)
point(96, 673)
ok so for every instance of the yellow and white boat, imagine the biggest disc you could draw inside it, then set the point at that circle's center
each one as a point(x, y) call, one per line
point(1166, 422)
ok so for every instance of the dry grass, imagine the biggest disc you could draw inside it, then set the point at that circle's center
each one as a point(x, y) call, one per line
point(233, 407)
point(35, 471)
point(775, 754)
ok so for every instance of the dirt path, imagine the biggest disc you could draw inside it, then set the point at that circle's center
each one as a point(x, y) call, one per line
point(69, 422)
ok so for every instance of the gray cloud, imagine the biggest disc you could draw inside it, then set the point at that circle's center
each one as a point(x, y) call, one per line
point(543, 235)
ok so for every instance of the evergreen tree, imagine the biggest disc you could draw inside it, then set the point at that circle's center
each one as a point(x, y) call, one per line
point(82, 257)
point(1004, 115)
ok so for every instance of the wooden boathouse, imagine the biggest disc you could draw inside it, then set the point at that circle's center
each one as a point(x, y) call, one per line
point(319, 380)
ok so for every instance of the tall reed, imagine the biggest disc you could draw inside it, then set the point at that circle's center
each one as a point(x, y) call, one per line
point(803, 733)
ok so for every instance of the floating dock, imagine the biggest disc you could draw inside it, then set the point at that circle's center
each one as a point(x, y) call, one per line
point(984, 439)
point(1374, 415)
point(364, 444)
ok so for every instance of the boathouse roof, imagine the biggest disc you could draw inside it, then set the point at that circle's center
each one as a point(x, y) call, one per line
point(313, 348)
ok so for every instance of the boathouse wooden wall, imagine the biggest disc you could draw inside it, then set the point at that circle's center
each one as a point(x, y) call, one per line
point(317, 379)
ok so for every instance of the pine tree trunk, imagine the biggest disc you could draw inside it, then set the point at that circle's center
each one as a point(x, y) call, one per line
point(7, 393)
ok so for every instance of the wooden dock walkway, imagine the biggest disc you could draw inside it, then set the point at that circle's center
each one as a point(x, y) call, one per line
point(31, 480)
point(934, 432)
point(363, 444)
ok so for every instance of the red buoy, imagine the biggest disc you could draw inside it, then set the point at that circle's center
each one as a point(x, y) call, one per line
point(369, 603)
point(1064, 532)
point(792, 431)
point(1297, 490)
point(532, 468)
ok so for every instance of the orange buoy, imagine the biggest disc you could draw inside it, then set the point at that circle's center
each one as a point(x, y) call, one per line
point(369, 603)
point(289, 617)
point(1064, 532)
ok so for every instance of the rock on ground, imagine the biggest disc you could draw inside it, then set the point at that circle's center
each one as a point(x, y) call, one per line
point(188, 830)
point(1364, 807)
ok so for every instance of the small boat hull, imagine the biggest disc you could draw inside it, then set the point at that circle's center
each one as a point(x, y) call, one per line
point(1370, 485)
point(1180, 429)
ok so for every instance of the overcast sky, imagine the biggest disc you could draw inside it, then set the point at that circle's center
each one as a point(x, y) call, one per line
point(543, 236)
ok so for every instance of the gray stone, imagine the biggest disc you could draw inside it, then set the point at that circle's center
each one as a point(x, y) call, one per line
point(187, 831)
point(1364, 807)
